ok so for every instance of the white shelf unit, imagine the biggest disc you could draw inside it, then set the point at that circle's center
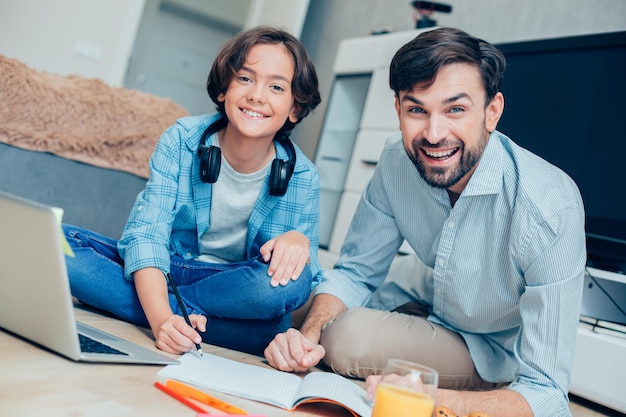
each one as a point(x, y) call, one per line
point(336, 142)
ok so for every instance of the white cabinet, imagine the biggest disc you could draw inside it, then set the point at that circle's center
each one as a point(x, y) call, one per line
point(359, 118)
point(379, 111)
point(336, 142)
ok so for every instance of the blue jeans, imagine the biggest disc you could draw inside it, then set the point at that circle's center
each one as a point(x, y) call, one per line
point(244, 311)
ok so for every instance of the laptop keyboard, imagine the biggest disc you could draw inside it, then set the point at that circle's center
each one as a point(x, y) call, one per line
point(89, 345)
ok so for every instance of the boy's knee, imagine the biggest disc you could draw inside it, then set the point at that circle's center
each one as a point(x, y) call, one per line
point(296, 293)
point(271, 302)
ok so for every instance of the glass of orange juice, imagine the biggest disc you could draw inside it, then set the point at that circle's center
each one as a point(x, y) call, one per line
point(406, 389)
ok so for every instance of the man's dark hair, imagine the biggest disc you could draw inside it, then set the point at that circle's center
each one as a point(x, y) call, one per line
point(233, 56)
point(419, 61)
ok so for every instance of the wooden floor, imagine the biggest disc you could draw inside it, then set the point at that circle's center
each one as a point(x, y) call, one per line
point(35, 381)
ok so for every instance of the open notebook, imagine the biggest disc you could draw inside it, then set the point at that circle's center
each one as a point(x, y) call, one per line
point(35, 299)
point(281, 389)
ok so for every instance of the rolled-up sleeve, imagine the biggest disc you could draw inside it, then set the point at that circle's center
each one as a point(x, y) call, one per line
point(546, 347)
point(145, 240)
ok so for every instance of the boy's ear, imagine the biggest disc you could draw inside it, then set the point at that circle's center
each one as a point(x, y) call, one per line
point(221, 97)
point(294, 114)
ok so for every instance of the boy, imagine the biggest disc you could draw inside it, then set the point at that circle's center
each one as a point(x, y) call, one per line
point(231, 211)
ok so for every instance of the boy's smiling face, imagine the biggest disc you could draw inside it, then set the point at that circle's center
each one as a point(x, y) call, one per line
point(259, 98)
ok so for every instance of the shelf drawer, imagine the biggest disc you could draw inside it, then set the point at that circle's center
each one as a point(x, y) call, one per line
point(329, 203)
point(333, 158)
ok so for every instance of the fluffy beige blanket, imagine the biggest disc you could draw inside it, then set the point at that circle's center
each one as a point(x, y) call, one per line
point(81, 119)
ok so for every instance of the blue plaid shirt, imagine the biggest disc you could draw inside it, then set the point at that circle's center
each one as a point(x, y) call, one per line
point(173, 211)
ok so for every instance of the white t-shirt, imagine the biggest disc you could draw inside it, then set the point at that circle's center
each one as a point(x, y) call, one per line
point(232, 202)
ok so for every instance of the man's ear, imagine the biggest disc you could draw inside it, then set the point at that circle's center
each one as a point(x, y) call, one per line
point(396, 104)
point(494, 111)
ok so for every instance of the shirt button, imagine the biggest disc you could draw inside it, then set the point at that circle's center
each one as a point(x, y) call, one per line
point(451, 224)
point(441, 262)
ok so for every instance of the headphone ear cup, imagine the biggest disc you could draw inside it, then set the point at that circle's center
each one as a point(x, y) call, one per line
point(279, 177)
point(210, 163)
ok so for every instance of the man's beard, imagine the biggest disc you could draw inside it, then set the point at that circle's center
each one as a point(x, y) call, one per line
point(449, 176)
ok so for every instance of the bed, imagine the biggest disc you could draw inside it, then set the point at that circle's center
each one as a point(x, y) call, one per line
point(77, 143)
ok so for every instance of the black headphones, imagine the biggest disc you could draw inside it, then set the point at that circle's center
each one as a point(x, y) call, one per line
point(211, 160)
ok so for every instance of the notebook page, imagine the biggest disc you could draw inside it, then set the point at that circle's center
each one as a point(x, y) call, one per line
point(235, 378)
point(337, 388)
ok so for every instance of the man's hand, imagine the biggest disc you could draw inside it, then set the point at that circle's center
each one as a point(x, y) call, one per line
point(498, 402)
point(371, 383)
point(287, 255)
point(292, 352)
point(174, 335)
point(298, 350)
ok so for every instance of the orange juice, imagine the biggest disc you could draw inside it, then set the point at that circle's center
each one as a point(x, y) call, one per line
point(394, 401)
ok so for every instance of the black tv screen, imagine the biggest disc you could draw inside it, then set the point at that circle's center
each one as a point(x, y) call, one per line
point(565, 100)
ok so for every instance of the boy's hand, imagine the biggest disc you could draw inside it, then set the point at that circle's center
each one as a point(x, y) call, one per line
point(287, 255)
point(175, 336)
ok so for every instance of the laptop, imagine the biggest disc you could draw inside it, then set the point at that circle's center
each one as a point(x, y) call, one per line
point(35, 298)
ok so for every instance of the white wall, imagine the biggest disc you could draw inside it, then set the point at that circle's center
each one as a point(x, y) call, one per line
point(92, 38)
point(286, 14)
point(512, 20)
point(95, 38)
point(232, 12)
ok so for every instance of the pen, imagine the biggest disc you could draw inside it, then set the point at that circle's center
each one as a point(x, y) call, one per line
point(179, 397)
point(182, 307)
point(186, 391)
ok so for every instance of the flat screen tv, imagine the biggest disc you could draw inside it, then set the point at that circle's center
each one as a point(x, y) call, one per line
point(565, 100)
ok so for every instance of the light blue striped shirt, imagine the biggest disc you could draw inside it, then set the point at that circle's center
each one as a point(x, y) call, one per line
point(173, 212)
point(507, 261)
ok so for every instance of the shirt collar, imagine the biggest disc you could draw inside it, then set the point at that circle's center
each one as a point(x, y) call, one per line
point(487, 179)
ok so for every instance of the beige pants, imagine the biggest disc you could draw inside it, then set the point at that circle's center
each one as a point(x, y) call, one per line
point(359, 342)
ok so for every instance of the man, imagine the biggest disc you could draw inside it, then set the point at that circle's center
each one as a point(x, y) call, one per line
point(498, 236)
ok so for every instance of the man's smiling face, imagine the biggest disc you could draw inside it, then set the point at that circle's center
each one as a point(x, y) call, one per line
point(446, 126)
